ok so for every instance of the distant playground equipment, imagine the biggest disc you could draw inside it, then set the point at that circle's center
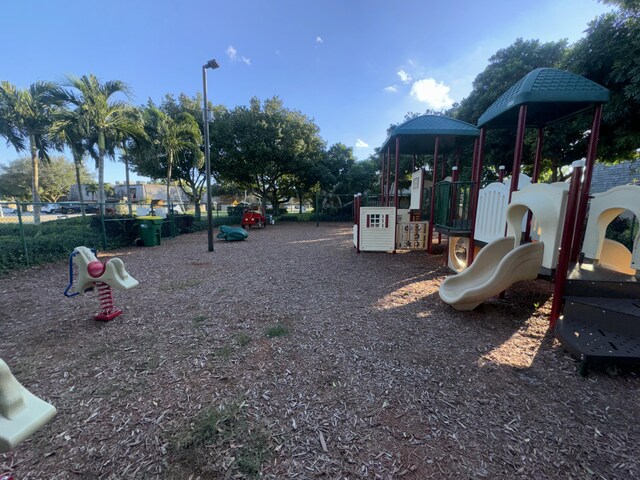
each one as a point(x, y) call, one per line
point(21, 412)
point(517, 227)
point(384, 227)
point(232, 234)
point(92, 273)
point(254, 217)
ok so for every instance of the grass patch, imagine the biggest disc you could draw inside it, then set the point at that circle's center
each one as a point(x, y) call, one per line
point(223, 441)
point(242, 339)
point(224, 352)
point(278, 330)
point(198, 320)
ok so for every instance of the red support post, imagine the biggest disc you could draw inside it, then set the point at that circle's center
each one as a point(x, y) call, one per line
point(381, 179)
point(517, 152)
point(421, 189)
point(476, 175)
point(501, 173)
point(565, 244)
point(395, 197)
point(454, 174)
point(586, 184)
point(358, 203)
point(538, 160)
point(432, 202)
point(387, 193)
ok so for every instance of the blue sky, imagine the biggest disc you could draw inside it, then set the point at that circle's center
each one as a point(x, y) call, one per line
point(354, 66)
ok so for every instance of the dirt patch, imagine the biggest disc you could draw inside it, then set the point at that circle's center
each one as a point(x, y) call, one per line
point(332, 364)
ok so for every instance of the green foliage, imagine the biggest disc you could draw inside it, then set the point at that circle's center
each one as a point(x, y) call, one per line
point(623, 230)
point(608, 55)
point(56, 178)
point(278, 330)
point(219, 432)
point(265, 147)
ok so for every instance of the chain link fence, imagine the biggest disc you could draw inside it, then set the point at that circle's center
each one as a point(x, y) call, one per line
point(32, 234)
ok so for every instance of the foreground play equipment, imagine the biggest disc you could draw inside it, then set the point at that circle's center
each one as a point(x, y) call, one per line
point(94, 274)
point(595, 311)
point(232, 234)
point(21, 412)
point(518, 228)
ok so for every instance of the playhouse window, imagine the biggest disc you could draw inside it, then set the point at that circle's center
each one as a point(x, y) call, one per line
point(377, 220)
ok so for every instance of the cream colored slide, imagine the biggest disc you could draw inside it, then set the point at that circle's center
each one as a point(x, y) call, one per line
point(496, 268)
point(21, 412)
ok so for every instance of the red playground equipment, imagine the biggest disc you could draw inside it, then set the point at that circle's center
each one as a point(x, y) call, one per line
point(254, 216)
point(92, 273)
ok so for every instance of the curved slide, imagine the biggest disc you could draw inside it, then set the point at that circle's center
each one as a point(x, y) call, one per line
point(496, 268)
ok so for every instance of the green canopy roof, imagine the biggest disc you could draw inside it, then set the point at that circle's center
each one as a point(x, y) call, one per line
point(418, 135)
point(550, 95)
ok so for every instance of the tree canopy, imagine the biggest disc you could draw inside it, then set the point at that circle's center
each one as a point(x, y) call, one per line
point(264, 147)
point(56, 178)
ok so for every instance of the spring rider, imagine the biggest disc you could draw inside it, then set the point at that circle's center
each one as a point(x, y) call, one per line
point(92, 273)
point(21, 412)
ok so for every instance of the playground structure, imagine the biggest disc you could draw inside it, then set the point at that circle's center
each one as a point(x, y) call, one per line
point(94, 274)
point(519, 228)
point(21, 412)
point(254, 217)
point(413, 229)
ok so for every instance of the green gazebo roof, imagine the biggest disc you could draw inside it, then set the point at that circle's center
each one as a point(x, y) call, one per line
point(550, 95)
point(418, 135)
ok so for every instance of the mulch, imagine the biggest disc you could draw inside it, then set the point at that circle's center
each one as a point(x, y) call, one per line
point(373, 376)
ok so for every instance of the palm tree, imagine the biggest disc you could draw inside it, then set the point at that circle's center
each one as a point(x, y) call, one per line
point(26, 116)
point(104, 119)
point(67, 130)
point(172, 136)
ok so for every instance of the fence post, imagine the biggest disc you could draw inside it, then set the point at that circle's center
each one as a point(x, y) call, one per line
point(173, 222)
point(104, 227)
point(22, 237)
point(317, 209)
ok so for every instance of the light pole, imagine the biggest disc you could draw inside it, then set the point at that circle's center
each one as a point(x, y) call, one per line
point(212, 64)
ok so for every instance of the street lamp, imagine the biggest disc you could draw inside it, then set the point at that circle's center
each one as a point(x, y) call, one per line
point(212, 64)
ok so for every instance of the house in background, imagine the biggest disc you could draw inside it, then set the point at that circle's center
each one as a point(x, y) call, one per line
point(606, 176)
point(139, 191)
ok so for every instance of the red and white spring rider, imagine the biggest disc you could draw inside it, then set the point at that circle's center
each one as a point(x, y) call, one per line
point(92, 273)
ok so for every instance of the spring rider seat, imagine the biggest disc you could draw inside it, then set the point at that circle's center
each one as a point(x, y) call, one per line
point(21, 412)
point(103, 276)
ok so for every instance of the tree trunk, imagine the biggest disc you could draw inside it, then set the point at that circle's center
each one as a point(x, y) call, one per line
point(101, 153)
point(35, 184)
point(77, 160)
point(128, 183)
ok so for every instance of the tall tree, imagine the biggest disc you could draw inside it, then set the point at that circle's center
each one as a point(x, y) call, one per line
point(67, 131)
point(25, 119)
point(106, 119)
point(263, 147)
point(56, 178)
point(609, 55)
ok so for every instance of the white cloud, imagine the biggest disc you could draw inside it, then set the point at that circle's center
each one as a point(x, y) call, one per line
point(434, 94)
point(361, 144)
point(391, 89)
point(319, 39)
point(404, 76)
point(232, 53)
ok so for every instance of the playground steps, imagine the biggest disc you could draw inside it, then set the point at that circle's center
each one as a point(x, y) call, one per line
point(601, 319)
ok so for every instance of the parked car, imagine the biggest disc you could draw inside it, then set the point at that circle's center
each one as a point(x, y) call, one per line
point(71, 208)
point(8, 210)
point(50, 208)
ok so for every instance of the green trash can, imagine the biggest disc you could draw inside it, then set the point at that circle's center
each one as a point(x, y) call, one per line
point(150, 230)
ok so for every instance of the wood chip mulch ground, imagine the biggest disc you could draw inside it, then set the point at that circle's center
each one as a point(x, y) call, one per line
point(290, 356)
